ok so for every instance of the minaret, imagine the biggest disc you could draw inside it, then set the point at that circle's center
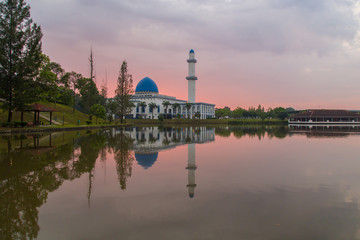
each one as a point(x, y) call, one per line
point(191, 77)
point(191, 167)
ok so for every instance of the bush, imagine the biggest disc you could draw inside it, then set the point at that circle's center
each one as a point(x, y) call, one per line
point(19, 124)
point(161, 117)
point(88, 122)
point(5, 124)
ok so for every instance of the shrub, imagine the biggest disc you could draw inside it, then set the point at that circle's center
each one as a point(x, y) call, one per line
point(19, 124)
point(5, 124)
point(161, 118)
point(88, 122)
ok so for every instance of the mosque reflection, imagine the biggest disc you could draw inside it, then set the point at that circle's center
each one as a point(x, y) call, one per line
point(148, 141)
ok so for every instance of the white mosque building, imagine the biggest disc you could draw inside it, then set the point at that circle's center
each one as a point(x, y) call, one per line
point(147, 92)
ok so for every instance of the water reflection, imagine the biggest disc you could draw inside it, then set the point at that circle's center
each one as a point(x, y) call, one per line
point(34, 165)
point(317, 131)
point(300, 196)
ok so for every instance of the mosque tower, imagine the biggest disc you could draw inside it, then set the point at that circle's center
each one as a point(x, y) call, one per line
point(191, 77)
point(191, 167)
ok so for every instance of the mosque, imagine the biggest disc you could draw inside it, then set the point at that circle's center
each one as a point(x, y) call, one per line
point(147, 92)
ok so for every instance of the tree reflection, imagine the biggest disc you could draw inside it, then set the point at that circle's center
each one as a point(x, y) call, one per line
point(28, 173)
point(121, 144)
point(253, 131)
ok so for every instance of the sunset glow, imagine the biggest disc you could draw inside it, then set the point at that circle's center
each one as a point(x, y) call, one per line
point(300, 54)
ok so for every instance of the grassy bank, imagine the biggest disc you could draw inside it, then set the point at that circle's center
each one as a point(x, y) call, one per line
point(63, 112)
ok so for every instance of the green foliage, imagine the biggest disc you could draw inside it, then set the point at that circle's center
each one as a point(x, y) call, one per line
point(176, 107)
point(222, 112)
point(111, 107)
point(98, 111)
point(6, 124)
point(188, 107)
point(254, 113)
point(161, 117)
point(238, 113)
point(89, 94)
point(281, 112)
point(166, 105)
point(152, 106)
point(20, 124)
point(20, 55)
point(197, 115)
point(124, 92)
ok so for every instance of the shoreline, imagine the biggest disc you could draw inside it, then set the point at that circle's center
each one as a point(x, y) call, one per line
point(139, 122)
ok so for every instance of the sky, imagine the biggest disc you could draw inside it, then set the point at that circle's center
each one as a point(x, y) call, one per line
point(301, 54)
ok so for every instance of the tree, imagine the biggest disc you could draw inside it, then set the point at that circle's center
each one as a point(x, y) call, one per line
point(111, 106)
point(238, 113)
point(91, 61)
point(50, 80)
point(98, 111)
point(124, 92)
point(281, 113)
point(70, 79)
point(188, 107)
point(103, 94)
point(166, 105)
point(175, 106)
point(89, 94)
point(141, 105)
point(20, 54)
point(152, 106)
point(223, 112)
point(270, 113)
point(197, 115)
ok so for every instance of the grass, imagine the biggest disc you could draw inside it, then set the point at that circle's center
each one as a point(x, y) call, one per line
point(70, 118)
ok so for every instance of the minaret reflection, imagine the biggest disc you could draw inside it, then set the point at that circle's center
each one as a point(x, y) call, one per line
point(149, 141)
point(191, 167)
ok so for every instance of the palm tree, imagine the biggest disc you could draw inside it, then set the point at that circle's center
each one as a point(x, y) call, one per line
point(141, 105)
point(176, 106)
point(188, 107)
point(166, 104)
point(152, 106)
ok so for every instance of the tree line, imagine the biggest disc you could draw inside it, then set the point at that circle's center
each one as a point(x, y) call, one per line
point(28, 76)
point(252, 112)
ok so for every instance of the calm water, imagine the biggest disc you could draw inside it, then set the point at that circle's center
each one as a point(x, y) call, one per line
point(182, 183)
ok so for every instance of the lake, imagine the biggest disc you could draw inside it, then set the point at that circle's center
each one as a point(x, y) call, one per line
point(201, 182)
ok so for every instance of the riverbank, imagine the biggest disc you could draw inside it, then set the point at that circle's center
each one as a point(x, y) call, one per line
point(57, 128)
point(136, 122)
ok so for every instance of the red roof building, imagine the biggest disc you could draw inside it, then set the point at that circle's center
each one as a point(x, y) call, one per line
point(325, 116)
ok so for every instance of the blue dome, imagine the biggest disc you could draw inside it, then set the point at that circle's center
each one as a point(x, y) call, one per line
point(146, 85)
point(192, 51)
point(146, 160)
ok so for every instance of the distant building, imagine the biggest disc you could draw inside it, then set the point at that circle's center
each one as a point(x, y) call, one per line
point(148, 92)
point(324, 116)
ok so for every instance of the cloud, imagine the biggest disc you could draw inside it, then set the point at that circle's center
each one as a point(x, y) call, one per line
point(272, 26)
